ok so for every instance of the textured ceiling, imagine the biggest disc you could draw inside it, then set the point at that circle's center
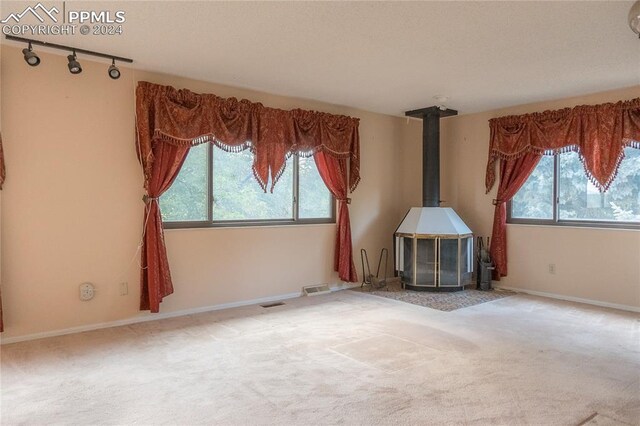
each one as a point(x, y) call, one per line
point(380, 56)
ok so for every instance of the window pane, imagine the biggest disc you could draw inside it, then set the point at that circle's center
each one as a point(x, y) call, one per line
point(186, 199)
point(535, 198)
point(237, 195)
point(315, 198)
point(581, 200)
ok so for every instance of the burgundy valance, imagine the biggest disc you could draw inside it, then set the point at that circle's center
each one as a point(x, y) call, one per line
point(599, 133)
point(181, 117)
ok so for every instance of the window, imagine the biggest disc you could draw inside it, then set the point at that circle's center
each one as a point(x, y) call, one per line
point(217, 188)
point(558, 192)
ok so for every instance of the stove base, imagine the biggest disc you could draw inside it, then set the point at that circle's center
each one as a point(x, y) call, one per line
point(433, 289)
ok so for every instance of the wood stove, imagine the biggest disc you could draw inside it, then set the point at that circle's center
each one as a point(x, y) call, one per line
point(433, 246)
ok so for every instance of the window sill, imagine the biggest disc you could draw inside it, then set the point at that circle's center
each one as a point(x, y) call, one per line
point(236, 226)
point(578, 226)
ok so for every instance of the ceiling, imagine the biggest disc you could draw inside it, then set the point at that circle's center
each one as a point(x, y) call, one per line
point(386, 57)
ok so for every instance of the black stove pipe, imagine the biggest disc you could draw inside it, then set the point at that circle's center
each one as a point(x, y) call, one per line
point(431, 151)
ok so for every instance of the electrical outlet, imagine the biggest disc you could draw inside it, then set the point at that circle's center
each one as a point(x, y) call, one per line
point(552, 268)
point(124, 289)
point(87, 291)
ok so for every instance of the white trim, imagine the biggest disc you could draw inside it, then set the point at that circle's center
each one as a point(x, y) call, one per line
point(153, 317)
point(343, 286)
point(591, 225)
point(336, 287)
point(573, 299)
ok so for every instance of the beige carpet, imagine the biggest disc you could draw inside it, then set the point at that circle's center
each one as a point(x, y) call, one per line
point(344, 358)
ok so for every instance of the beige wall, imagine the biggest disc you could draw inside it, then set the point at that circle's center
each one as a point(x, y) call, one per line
point(598, 264)
point(72, 210)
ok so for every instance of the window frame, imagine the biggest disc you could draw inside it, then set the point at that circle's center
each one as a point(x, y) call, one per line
point(556, 221)
point(212, 223)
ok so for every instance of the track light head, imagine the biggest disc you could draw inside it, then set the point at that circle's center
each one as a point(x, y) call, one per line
point(30, 56)
point(74, 65)
point(113, 71)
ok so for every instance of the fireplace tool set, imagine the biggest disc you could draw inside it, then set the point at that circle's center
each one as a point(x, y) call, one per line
point(485, 265)
point(375, 282)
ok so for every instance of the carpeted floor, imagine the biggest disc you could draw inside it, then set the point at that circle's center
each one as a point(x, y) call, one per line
point(443, 301)
point(343, 358)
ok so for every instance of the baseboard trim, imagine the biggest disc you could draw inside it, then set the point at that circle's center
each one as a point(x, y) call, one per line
point(572, 299)
point(144, 317)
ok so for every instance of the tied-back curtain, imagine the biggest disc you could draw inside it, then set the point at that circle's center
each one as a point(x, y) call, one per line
point(598, 133)
point(155, 277)
point(334, 174)
point(513, 174)
point(179, 118)
point(3, 174)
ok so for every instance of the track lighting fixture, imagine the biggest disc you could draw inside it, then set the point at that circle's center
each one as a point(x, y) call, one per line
point(30, 56)
point(33, 59)
point(74, 65)
point(114, 72)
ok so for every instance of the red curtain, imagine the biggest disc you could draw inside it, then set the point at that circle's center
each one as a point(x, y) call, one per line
point(598, 133)
point(3, 171)
point(169, 121)
point(513, 174)
point(334, 174)
point(155, 280)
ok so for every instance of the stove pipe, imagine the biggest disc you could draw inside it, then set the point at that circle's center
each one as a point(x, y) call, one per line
point(431, 151)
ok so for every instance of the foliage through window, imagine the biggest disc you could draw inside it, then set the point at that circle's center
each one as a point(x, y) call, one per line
point(559, 192)
point(217, 188)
